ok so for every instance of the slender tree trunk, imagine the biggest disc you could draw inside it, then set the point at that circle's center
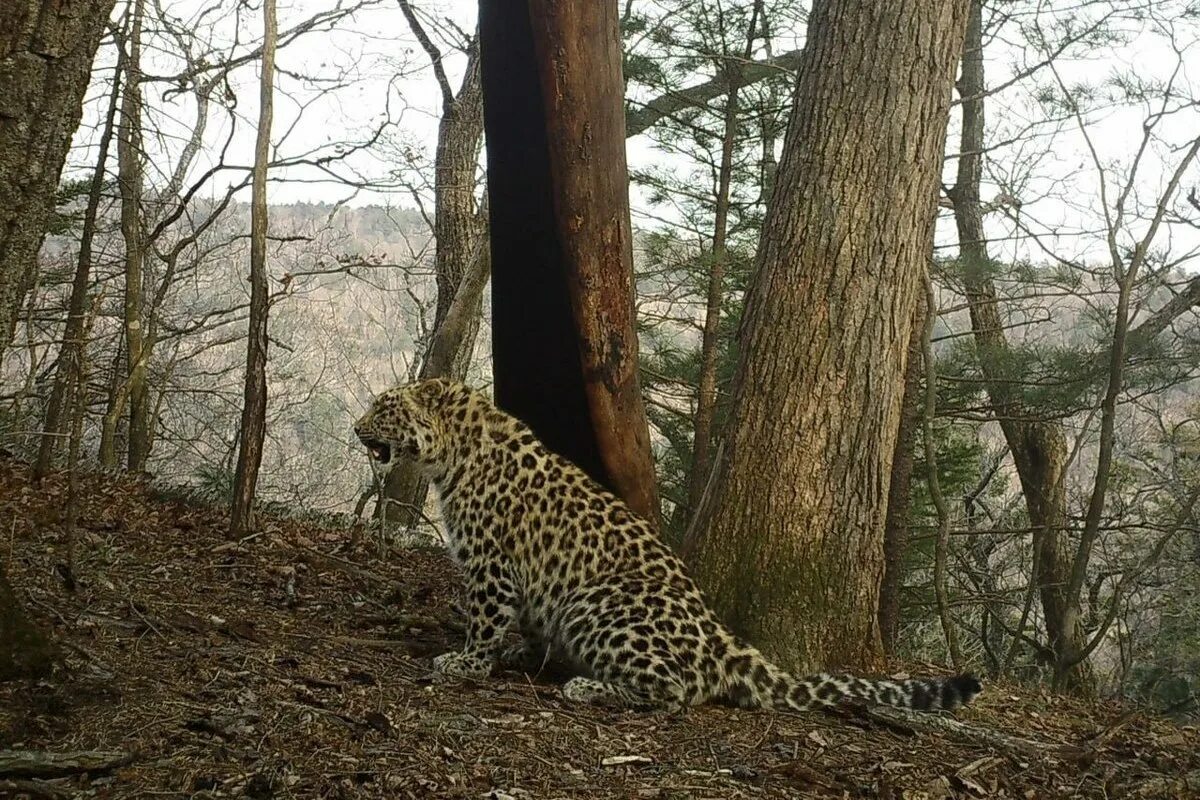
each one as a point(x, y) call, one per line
point(769, 128)
point(254, 403)
point(578, 49)
point(113, 408)
point(74, 345)
point(1126, 268)
point(130, 154)
point(77, 406)
point(46, 53)
point(942, 545)
point(899, 501)
point(706, 390)
point(1038, 447)
point(563, 341)
point(793, 552)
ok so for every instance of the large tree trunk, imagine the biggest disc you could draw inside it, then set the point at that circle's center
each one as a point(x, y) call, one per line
point(254, 401)
point(46, 52)
point(793, 550)
point(457, 229)
point(1038, 447)
point(564, 344)
point(25, 651)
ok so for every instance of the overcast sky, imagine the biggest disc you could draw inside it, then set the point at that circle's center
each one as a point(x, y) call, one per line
point(388, 77)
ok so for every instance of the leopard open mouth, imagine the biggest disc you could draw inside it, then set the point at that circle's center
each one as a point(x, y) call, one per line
point(380, 450)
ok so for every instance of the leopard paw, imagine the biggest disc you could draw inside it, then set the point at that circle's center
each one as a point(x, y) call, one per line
point(461, 665)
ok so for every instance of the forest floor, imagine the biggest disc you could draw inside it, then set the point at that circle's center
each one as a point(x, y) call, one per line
point(296, 664)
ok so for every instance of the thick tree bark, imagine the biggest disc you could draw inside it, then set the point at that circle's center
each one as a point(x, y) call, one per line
point(1038, 447)
point(899, 500)
point(564, 344)
point(456, 225)
point(254, 403)
point(793, 552)
point(25, 650)
point(46, 52)
point(458, 327)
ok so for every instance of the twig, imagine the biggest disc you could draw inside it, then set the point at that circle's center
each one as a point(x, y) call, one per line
point(236, 543)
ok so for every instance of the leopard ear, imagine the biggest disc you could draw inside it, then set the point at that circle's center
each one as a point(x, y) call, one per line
point(432, 392)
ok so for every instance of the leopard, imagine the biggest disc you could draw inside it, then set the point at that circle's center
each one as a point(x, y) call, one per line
point(549, 553)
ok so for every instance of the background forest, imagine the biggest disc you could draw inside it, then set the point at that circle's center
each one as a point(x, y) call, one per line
point(1041, 519)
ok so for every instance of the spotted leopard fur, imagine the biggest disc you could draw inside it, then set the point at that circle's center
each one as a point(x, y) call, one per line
point(586, 579)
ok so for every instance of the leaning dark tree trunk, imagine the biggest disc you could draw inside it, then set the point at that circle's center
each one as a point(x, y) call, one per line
point(563, 339)
point(1038, 447)
point(25, 650)
point(46, 52)
point(792, 553)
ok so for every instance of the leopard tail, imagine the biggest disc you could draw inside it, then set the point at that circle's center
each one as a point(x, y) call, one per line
point(751, 681)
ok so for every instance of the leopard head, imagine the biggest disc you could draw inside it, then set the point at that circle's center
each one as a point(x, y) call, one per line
point(408, 421)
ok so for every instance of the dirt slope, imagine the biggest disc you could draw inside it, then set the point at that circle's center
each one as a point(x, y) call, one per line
point(296, 665)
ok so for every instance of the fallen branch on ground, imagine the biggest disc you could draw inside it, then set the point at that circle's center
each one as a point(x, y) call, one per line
point(40, 764)
point(318, 559)
point(957, 729)
point(36, 790)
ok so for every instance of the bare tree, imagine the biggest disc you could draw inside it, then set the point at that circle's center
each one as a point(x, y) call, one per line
point(895, 529)
point(1036, 440)
point(254, 406)
point(130, 154)
point(457, 229)
point(74, 342)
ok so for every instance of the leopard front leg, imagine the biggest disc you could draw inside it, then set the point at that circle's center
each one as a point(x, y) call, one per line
point(491, 610)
